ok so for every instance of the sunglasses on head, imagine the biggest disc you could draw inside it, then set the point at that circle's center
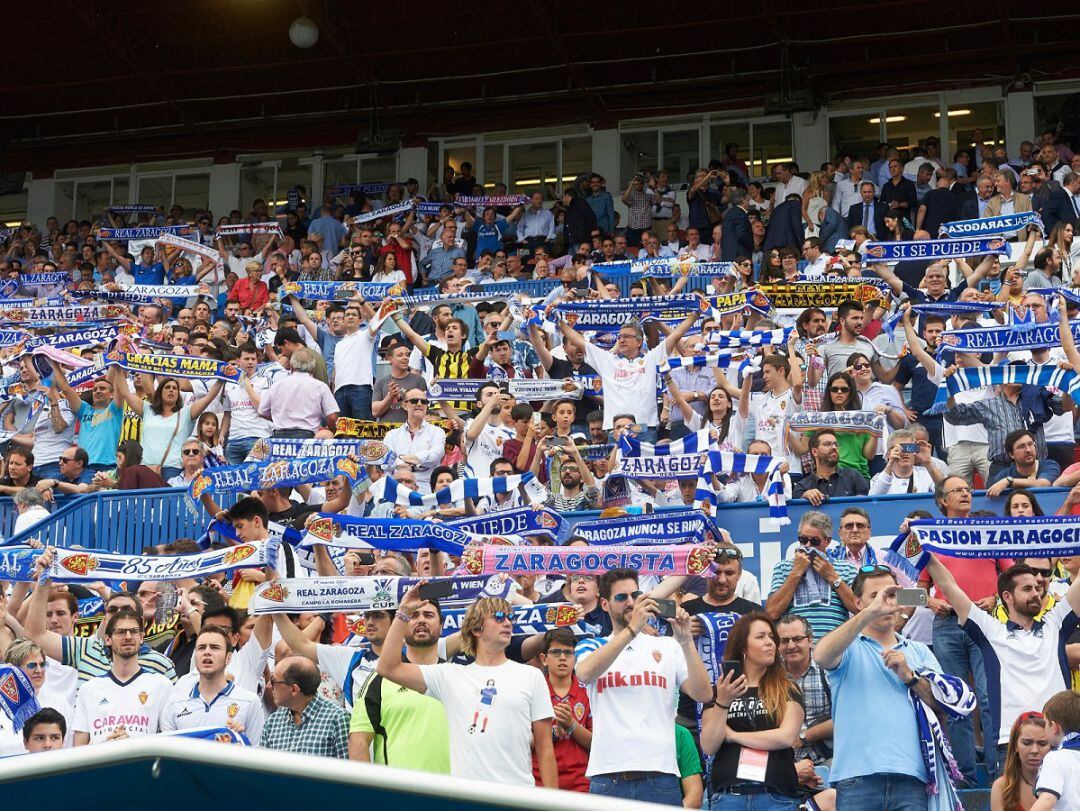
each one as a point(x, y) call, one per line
point(879, 567)
point(724, 554)
point(622, 598)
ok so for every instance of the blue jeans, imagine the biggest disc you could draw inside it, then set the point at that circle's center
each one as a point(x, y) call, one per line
point(238, 449)
point(766, 801)
point(663, 789)
point(881, 792)
point(958, 656)
point(354, 402)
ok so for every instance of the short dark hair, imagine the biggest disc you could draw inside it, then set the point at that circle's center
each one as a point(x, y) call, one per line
point(218, 631)
point(1007, 579)
point(815, 438)
point(559, 635)
point(247, 509)
point(122, 614)
point(778, 362)
point(227, 611)
point(26, 454)
point(1015, 436)
point(808, 629)
point(613, 576)
point(862, 577)
point(848, 307)
point(305, 675)
point(46, 715)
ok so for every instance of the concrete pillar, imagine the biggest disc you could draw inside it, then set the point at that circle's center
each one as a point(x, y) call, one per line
point(1019, 120)
point(810, 139)
point(224, 187)
point(41, 200)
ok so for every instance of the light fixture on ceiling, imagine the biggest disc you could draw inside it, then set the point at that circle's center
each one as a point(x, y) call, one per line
point(892, 119)
point(304, 32)
point(951, 113)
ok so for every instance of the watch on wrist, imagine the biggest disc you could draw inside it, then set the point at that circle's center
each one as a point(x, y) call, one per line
point(912, 681)
point(836, 583)
point(1009, 480)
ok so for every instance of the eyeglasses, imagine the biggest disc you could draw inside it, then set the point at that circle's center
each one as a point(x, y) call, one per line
point(35, 666)
point(127, 632)
point(561, 652)
point(958, 490)
point(839, 389)
point(191, 451)
point(582, 578)
point(793, 640)
point(854, 525)
point(145, 595)
point(274, 682)
point(875, 567)
point(723, 554)
point(622, 598)
point(861, 366)
point(416, 401)
point(806, 540)
point(1043, 572)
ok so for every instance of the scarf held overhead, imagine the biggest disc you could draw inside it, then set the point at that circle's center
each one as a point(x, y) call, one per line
point(1041, 536)
point(282, 473)
point(80, 564)
point(900, 251)
point(647, 560)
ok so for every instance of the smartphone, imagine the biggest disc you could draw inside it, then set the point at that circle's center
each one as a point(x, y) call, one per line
point(504, 387)
point(537, 419)
point(666, 608)
point(734, 668)
point(558, 441)
point(366, 558)
point(436, 590)
point(911, 597)
point(909, 447)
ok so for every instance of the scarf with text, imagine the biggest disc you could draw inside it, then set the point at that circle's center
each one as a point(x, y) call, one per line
point(958, 701)
point(63, 315)
point(687, 526)
point(900, 251)
point(991, 226)
point(249, 228)
point(331, 291)
point(744, 301)
point(149, 232)
point(529, 620)
point(842, 422)
point(349, 428)
point(608, 313)
point(498, 200)
point(368, 452)
point(89, 565)
point(345, 189)
point(145, 294)
point(1039, 536)
point(191, 246)
point(17, 698)
point(1006, 337)
point(390, 534)
point(523, 521)
point(134, 208)
point(188, 367)
point(687, 559)
point(47, 279)
point(282, 473)
point(322, 595)
point(378, 214)
point(800, 295)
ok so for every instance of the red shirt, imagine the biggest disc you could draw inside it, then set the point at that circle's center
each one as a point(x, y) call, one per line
point(976, 576)
point(403, 257)
point(570, 758)
point(250, 298)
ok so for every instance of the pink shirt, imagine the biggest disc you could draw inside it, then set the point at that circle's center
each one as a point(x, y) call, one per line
point(298, 402)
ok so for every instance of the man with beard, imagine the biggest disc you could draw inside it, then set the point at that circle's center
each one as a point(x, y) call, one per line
point(720, 595)
point(215, 701)
point(408, 728)
point(1024, 656)
point(126, 702)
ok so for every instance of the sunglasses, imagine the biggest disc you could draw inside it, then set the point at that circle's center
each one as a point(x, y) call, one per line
point(500, 616)
point(191, 451)
point(723, 554)
point(808, 541)
point(839, 389)
point(35, 666)
point(416, 401)
point(1043, 572)
point(622, 598)
point(854, 526)
point(871, 568)
point(861, 366)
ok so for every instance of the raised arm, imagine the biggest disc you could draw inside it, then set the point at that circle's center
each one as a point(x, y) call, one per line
point(36, 628)
point(915, 345)
point(948, 586)
point(830, 649)
point(672, 340)
point(295, 639)
point(536, 338)
point(415, 337)
point(885, 273)
point(302, 316)
point(571, 335)
point(119, 257)
point(199, 406)
point(120, 384)
point(1068, 342)
point(74, 401)
point(390, 665)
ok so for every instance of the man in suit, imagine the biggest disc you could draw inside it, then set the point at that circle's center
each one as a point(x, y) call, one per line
point(1007, 199)
point(868, 212)
point(974, 208)
point(1062, 205)
point(735, 237)
point(785, 224)
point(939, 205)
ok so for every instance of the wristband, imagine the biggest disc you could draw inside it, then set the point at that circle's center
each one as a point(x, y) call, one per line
point(401, 615)
point(724, 707)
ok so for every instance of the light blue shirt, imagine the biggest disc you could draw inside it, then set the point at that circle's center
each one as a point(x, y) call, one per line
point(539, 223)
point(863, 688)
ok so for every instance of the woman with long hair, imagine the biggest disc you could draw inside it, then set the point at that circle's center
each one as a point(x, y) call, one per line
point(720, 415)
point(856, 448)
point(1021, 504)
point(814, 203)
point(387, 271)
point(130, 472)
point(770, 268)
point(1061, 238)
point(208, 432)
point(895, 228)
point(756, 708)
point(166, 421)
point(1028, 744)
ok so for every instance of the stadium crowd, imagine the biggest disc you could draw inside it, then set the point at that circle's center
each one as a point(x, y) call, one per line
point(446, 357)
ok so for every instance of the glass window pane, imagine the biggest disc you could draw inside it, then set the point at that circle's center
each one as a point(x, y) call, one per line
point(156, 191)
point(290, 173)
point(772, 145)
point(1048, 112)
point(256, 183)
point(640, 151)
point(966, 119)
point(339, 173)
point(532, 168)
point(192, 192)
point(63, 200)
point(382, 169)
point(576, 159)
point(854, 135)
point(908, 128)
point(681, 156)
point(121, 187)
point(13, 208)
point(493, 166)
point(720, 135)
point(92, 198)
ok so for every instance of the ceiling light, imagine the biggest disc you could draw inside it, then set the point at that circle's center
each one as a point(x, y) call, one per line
point(892, 119)
point(304, 32)
point(951, 113)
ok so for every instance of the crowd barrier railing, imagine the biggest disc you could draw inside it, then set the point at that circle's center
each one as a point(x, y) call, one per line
point(127, 521)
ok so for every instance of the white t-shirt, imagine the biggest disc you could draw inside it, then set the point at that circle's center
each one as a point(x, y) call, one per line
point(105, 704)
point(245, 423)
point(186, 709)
point(48, 445)
point(490, 711)
point(1027, 662)
point(487, 447)
point(631, 702)
point(352, 359)
point(334, 660)
point(245, 669)
point(1060, 775)
point(629, 385)
point(769, 413)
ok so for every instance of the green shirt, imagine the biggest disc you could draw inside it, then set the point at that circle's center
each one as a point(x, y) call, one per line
point(413, 730)
point(686, 753)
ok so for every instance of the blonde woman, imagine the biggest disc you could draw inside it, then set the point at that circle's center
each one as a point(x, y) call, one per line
point(814, 203)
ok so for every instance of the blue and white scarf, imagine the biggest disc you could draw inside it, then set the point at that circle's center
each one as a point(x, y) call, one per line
point(719, 360)
point(901, 251)
point(368, 451)
point(78, 338)
point(134, 208)
point(183, 366)
point(345, 189)
point(728, 463)
point(17, 699)
point(945, 309)
point(378, 214)
point(498, 200)
point(744, 301)
point(845, 422)
point(330, 291)
point(62, 315)
point(392, 534)
point(216, 734)
point(958, 701)
point(523, 521)
point(45, 279)
point(1045, 376)
point(712, 643)
point(283, 473)
point(991, 226)
point(1042, 536)
point(668, 466)
point(1006, 338)
point(689, 526)
point(388, 489)
point(528, 620)
point(430, 209)
point(608, 313)
point(236, 229)
point(146, 293)
point(733, 339)
point(94, 564)
point(151, 232)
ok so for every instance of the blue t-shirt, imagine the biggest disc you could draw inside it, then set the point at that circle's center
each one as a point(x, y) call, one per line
point(148, 274)
point(488, 237)
point(863, 688)
point(99, 432)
